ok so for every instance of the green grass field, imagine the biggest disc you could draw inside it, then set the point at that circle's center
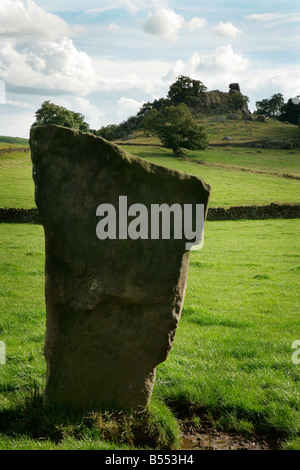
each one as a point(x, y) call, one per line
point(232, 353)
point(229, 187)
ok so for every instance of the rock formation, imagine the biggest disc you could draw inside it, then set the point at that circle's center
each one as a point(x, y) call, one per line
point(218, 102)
point(112, 305)
point(233, 87)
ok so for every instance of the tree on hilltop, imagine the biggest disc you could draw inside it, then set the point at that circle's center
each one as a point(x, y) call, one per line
point(270, 107)
point(186, 90)
point(50, 113)
point(176, 128)
point(290, 111)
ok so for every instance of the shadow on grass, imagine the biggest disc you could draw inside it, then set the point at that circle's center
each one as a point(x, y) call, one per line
point(144, 429)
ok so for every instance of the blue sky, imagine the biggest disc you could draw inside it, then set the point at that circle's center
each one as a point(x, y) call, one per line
point(106, 58)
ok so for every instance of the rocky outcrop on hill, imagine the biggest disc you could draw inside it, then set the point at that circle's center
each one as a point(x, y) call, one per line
point(219, 102)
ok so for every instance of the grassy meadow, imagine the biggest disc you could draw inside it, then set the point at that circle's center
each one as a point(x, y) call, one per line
point(232, 356)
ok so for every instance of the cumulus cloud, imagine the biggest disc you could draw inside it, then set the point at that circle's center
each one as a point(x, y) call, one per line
point(26, 21)
point(222, 60)
point(196, 23)
point(55, 66)
point(166, 24)
point(93, 115)
point(127, 107)
point(273, 80)
point(227, 30)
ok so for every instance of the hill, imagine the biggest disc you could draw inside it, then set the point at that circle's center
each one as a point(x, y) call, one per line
point(225, 131)
point(19, 141)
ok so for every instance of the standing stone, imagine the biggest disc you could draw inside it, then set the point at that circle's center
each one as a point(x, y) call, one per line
point(113, 305)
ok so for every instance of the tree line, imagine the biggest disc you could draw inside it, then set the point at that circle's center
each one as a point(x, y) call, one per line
point(275, 107)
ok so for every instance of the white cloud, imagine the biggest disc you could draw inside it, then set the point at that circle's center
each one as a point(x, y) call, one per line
point(127, 107)
point(16, 125)
point(227, 30)
point(124, 75)
point(19, 104)
point(275, 80)
point(274, 17)
point(166, 24)
point(196, 23)
point(93, 115)
point(134, 5)
point(55, 66)
point(2, 92)
point(223, 59)
point(113, 27)
point(97, 11)
point(26, 21)
point(222, 64)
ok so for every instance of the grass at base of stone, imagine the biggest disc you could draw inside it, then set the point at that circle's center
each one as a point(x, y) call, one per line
point(28, 424)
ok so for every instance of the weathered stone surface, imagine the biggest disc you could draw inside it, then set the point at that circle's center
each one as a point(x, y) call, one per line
point(247, 115)
point(220, 119)
point(112, 306)
point(233, 116)
point(261, 118)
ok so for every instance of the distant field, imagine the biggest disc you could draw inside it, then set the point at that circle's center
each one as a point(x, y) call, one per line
point(6, 141)
point(16, 184)
point(229, 187)
point(273, 161)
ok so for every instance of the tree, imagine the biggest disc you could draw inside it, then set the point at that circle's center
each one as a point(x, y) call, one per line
point(270, 107)
point(239, 101)
point(290, 111)
point(50, 113)
point(176, 128)
point(186, 90)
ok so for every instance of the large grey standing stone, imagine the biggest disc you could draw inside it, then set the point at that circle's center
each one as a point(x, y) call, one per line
point(112, 306)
